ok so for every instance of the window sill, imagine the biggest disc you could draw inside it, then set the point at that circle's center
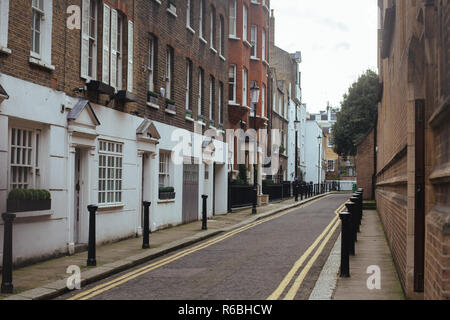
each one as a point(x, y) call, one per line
point(265, 62)
point(201, 123)
point(232, 37)
point(157, 1)
point(172, 12)
point(190, 29)
point(42, 64)
point(169, 201)
point(266, 7)
point(222, 58)
point(255, 3)
point(189, 119)
point(152, 105)
point(248, 44)
point(32, 214)
point(5, 50)
point(170, 112)
point(203, 40)
point(213, 50)
point(234, 104)
point(254, 58)
point(110, 206)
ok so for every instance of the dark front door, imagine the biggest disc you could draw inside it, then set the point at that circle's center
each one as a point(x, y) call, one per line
point(190, 192)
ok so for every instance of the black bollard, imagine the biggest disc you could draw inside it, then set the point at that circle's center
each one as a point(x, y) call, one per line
point(355, 200)
point(146, 232)
point(91, 261)
point(7, 284)
point(204, 216)
point(359, 201)
point(345, 238)
point(296, 191)
point(353, 234)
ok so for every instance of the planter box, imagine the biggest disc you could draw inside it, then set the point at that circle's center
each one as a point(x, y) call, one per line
point(170, 107)
point(152, 99)
point(167, 195)
point(28, 205)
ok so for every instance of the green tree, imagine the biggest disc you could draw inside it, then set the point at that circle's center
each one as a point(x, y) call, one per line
point(358, 114)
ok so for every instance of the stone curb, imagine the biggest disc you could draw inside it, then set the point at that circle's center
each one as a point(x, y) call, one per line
point(57, 288)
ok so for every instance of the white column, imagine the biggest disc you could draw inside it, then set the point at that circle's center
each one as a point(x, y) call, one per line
point(71, 197)
point(139, 212)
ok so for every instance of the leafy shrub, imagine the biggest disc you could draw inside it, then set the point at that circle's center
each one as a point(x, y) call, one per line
point(29, 194)
point(166, 189)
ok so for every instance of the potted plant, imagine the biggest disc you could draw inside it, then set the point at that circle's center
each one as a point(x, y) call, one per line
point(189, 113)
point(170, 105)
point(22, 200)
point(212, 123)
point(282, 149)
point(166, 193)
point(221, 126)
point(152, 97)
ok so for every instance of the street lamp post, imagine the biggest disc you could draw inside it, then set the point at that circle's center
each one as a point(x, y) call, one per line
point(297, 125)
point(318, 166)
point(254, 95)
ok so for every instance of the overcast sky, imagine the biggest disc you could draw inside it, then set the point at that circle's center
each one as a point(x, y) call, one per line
point(338, 41)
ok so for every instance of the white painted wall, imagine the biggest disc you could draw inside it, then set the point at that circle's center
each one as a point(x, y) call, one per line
point(40, 107)
point(312, 152)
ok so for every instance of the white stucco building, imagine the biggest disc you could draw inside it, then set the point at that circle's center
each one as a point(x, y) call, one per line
point(85, 153)
point(314, 153)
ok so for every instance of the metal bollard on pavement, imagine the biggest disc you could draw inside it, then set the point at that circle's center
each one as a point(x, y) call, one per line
point(146, 232)
point(204, 215)
point(91, 261)
point(7, 284)
point(353, 220)
point(345, 238)
point(355, 200)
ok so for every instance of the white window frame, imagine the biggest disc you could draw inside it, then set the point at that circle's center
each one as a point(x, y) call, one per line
point(200, 92)
point(212, 31)
point(220, 103)
point(263, 45)
point(188, 13)
point(232, 83)
point(244, 87)
point(151, 63)
point(254, 41)
point(164, 168)
point(88, 40)
point(211, 97)
point(169, 72)
point(245, 23)
point(188, 84)
point(31, 154)
point(200, 21)
point(119, 62)
point(110, 173)
point(263, 101)
point(328, 166)
point(221, 34)
point(4, 24)
point(38, 14)
point(233, 19)
point(44, 56)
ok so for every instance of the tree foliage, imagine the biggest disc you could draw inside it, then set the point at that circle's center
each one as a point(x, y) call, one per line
point(358, 114)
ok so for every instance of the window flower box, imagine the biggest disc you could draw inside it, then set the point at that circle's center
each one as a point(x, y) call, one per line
point(189, 113)
point(170, 105)
point(212, 123)
point(221, 126)
point(22, 200)
point(152, 97)
point(167, 193)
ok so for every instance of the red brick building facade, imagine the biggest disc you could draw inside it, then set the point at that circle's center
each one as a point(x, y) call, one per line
point(412, 174)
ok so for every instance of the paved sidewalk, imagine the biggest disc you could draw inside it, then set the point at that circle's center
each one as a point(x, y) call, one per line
point(48, 279)
point(371, 250)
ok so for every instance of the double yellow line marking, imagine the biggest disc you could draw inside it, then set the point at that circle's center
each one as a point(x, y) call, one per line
point(292, 292)
point(88, 294)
